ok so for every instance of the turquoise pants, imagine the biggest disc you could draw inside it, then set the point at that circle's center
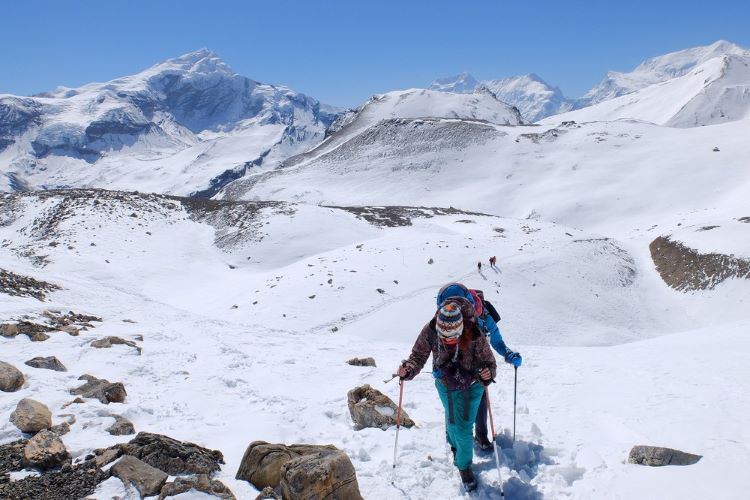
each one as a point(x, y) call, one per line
point(460, 412)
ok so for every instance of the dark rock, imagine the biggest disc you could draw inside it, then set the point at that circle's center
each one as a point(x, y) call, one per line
point(430, 261)
point(66, 484)
point(11, 378)
point(31, 416)
point(106, 456)
point(146, 479)
point(101, 389)
point(11, 457)
point(24, 286)
point(656, 456)
point(48, 363)
point(326, 475)
point(45, 451)
point(371, 408)
point(362, 362)
point(172, 456)
point(200, 483)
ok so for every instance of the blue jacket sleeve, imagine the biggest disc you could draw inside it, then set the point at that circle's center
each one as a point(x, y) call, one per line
point(496, 339)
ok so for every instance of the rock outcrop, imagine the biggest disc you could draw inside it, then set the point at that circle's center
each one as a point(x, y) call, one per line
point(31, 416)
point(146, 479)
point(172, 456)
point(101, 389)
point(369, 407)
point(48, 363)
point(11, 378)
point(656, 456)
point(45, 451)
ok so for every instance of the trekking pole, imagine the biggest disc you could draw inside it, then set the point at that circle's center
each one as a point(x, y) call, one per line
point(515, 386)
point(398, 424)
point(494, 439)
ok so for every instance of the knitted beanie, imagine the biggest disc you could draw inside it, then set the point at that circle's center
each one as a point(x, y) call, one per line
point(449, 322)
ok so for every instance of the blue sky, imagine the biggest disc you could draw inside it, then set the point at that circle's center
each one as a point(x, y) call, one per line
point(342, 52)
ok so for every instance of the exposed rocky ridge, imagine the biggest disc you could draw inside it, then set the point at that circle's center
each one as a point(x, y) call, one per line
point(25, 286)
point(687, 270)
point(399, 216)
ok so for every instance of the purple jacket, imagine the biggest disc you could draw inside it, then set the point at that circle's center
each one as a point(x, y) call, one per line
point(456, 367)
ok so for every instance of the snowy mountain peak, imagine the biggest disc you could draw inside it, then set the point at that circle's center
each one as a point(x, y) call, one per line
point(459, 84)
point(202, 61)
point(656, 70)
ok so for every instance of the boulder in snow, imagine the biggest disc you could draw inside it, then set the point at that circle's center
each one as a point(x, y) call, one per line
point(31, 416)
point(107, 342)
point(656, 456)
point(45, 451)
point(48, 363)
point(327, 474)
point(299, 471)
point(103, 390)
point(146, 479)
point(362, 362)
point(371, 408)
point(11, 378)
point(121, 427)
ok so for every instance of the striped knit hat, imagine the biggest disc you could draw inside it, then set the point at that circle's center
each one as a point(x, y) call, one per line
point(449, 322)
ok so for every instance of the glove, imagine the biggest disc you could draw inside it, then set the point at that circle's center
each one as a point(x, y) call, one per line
point(487, 379)
point(404, 372)
point(513, 358)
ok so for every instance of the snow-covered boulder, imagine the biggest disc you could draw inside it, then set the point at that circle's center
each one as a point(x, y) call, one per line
point(146, 479)
point(371, 408)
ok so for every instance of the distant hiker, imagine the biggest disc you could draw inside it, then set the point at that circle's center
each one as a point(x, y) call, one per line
point(462, 362)
point(487, 318)
point(479, 266)
point(493, 261)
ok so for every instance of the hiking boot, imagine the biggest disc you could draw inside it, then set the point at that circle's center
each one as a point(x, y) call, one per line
point(482, 442)
point(467, 477)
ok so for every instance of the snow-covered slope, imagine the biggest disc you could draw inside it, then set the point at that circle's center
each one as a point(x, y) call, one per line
point(249, 311)
point(656, 70)
point(185, 125)
point(716, 91)
point(586, 176)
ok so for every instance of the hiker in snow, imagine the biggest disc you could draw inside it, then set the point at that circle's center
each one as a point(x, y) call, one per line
point(461, 363)
point(487, 318)
point(479, 266)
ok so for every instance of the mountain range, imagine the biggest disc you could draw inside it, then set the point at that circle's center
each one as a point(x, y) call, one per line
point(536, 99)
point(192, 126)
